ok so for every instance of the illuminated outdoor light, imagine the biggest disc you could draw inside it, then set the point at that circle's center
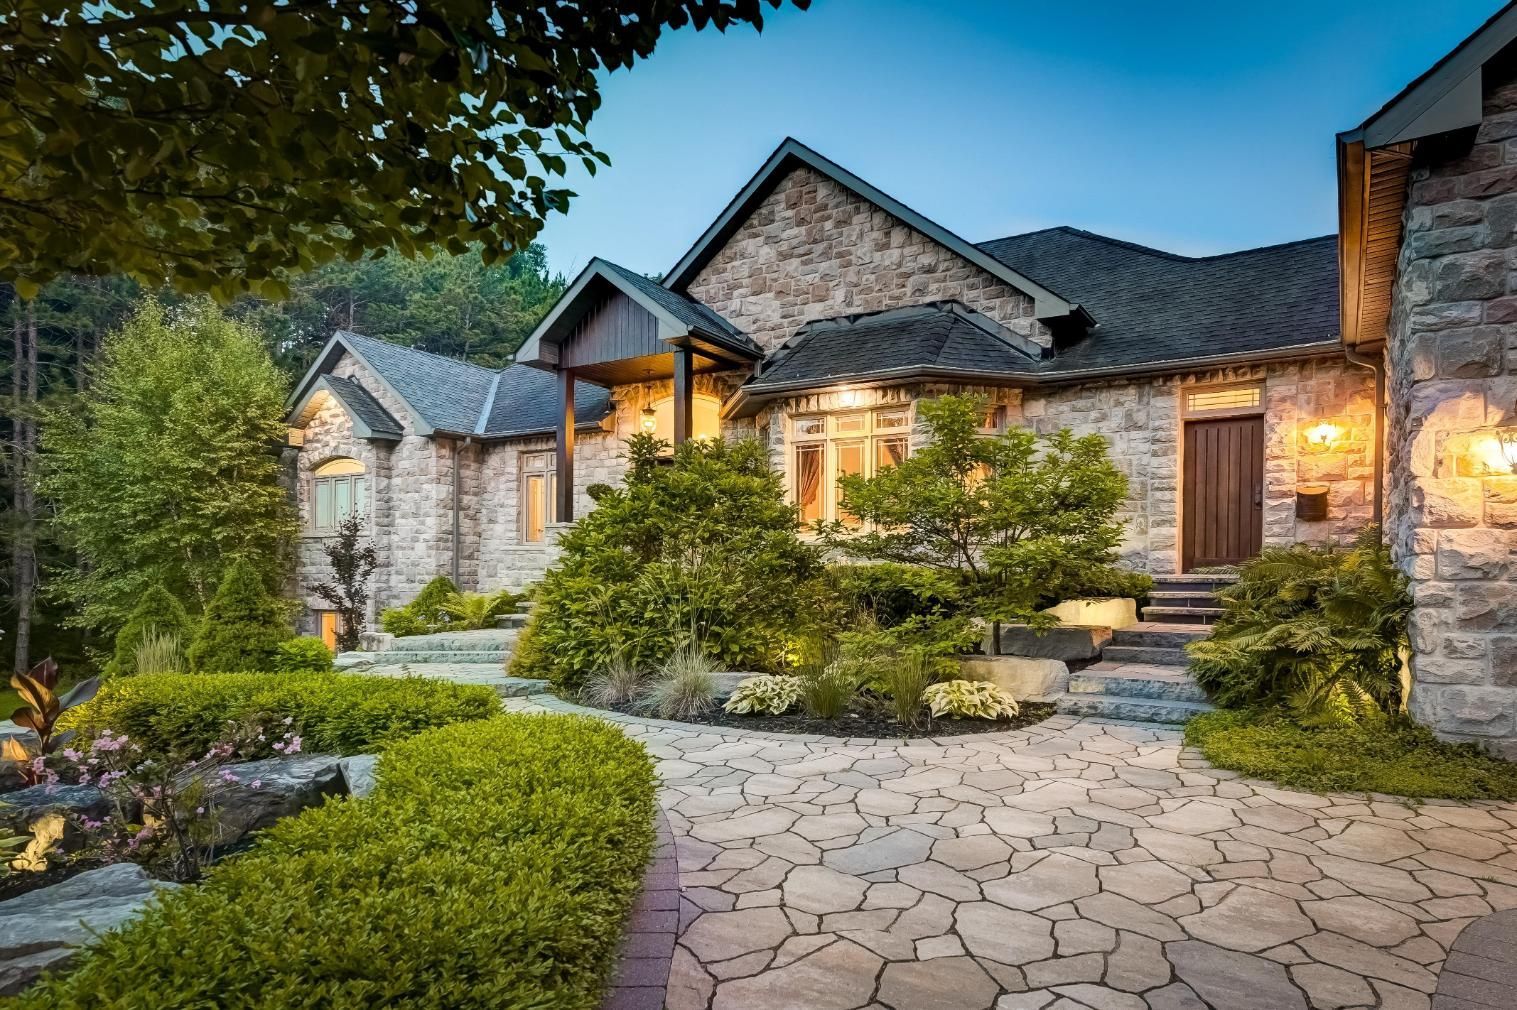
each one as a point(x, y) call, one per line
point(1323, 434)
point(650, 420)
point(1508, 441)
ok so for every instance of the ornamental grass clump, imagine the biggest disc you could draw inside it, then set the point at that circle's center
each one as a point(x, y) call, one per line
point(686, 685)
point(157, 652)
point(157, 615)
point(969, 699)
point(905, 679)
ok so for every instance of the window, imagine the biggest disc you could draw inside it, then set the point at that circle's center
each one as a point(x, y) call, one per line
point(537, 484)
point(339, 488)
point(1246, 399)
point(826, 447)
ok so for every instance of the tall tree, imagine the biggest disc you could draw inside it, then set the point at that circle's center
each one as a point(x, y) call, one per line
point(168, 472)
point(219, 145)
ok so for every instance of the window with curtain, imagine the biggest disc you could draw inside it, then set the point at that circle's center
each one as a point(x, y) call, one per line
point(828, 446)
point(537, 483)
point(339, 488)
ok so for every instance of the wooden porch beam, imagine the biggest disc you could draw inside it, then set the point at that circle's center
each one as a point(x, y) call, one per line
point(564, 478)
point(684, 395)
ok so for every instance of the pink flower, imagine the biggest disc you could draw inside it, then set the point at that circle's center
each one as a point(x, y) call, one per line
point(256, 784)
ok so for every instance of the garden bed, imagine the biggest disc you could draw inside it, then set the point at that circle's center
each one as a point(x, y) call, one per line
point(865, 718)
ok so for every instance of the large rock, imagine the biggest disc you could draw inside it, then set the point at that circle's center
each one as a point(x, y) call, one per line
point(43, 929)
point(48, 813)
point(1066, 643)
point(273, 788)
point(1108, 612)
point(375, 641)
point(1020, 676)
point(358, 773)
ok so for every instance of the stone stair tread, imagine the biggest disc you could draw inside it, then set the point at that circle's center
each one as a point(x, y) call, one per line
point(1147, 671)
point(1156, 710)
point(1197, 630)
point(1198, 611)
point(1221, 578)
point(1181, 594)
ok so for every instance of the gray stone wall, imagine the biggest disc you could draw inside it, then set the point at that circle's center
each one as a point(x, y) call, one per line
point(1452, 358)
point(814, 250)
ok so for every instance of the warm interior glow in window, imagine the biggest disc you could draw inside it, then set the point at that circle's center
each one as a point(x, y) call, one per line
point(705, 417)
point(537, 484)
point(1234, 398)
point(827, 447)
point(339, 488)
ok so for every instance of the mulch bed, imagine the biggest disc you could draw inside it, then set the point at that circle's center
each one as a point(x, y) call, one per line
point(866, 718)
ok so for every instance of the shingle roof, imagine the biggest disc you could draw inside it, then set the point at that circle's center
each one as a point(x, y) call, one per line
point(361, 403)
point(1153, 306)
point(448, 394)
point(686, 310)
point(526, 401)
point(940, 335)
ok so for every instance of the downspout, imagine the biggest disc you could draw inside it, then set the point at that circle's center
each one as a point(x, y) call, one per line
point(1376, 364)
point(458, 447)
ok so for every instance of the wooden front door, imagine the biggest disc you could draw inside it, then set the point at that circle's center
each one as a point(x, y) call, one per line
point(1223, 508)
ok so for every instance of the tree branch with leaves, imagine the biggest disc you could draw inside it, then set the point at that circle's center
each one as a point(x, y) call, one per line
point(353, 565)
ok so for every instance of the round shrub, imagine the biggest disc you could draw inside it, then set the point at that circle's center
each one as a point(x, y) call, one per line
point(303, 655)
point(465, 882)
point(427, 613)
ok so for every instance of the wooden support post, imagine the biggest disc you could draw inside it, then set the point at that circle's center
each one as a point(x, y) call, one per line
point(684, 396)
point(564, 479)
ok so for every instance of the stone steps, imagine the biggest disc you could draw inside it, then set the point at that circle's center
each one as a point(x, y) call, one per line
point(1126, 709)
point(487, 674)
point(1155, 655)
point(1182, 615)
point(1160, 636)
point(1136, 680)
point(394, 657)
point(1185, 599)
point(488, 645)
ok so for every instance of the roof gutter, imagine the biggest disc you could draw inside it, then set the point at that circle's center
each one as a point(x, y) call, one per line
point(746, 401)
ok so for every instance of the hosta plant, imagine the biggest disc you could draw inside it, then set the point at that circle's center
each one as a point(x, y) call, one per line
point(969, 699)
point(40, 712)
point(766, 695)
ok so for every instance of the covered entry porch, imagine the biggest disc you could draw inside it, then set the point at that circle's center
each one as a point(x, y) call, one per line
point(614, 327)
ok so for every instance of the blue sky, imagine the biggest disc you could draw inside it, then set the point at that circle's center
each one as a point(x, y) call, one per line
point(1195, 127)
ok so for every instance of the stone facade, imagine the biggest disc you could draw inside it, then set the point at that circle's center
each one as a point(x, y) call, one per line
point(814, 250)
point(1452, 362)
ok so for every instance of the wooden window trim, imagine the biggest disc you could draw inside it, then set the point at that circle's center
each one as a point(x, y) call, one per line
point(539, 464)
point(868, 437)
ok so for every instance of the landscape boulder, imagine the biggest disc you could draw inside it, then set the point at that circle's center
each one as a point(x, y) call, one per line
point(1020, 676)
point(1066, 642)
point(43, 929)
point(273, 788)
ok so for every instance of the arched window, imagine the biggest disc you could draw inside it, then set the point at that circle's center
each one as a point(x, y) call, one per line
point(339, 488)
point(705, 417)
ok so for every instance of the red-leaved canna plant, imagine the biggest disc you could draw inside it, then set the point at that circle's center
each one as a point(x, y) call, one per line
point(40, 713)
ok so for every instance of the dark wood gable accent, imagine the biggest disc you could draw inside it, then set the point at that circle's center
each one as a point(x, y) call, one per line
point(616, 329)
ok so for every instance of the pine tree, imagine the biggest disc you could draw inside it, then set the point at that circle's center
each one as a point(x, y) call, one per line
point(157, 612)
point(242, 627)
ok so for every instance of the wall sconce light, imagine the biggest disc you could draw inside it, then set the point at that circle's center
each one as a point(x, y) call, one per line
point(1508, 441)
point(1323, 435)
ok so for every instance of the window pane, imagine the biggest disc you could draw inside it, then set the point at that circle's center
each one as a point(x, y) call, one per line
point(849, 423)
point(810, 426)
point(808, 481)
point(361, 496)
point(994, 418)
point(323, 494)
point(535, 508)
point(850, 459)
point(889, 452)
point(892, 420)
point(1239, 397)
point(342, 497)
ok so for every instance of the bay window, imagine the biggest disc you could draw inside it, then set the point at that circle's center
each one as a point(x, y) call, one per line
point(826, 447)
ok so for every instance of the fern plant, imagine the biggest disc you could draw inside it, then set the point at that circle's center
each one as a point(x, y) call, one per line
point(1319, 629)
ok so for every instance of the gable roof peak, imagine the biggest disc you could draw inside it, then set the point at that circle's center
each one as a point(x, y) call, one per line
point(791, 154)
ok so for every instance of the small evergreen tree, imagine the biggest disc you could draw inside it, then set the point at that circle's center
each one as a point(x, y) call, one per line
point(348, 592)
point(242, 628)
point(157, 612)
point(1018, 520)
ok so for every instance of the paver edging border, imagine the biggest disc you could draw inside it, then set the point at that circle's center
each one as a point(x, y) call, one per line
point(646, 954)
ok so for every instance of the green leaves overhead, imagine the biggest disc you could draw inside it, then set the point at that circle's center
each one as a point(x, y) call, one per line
point(223, 147)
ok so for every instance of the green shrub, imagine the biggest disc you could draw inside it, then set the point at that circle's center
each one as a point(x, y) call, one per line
point(1389, 755)
point(771, 694)
point(472, 611)
point(492, 868)
point(686, 685)
point(1096, 583)
point(424, 615)
point(157, 611)
point(1318, 628)
point(337, 713)
point(906, 680)
point(703, 547)
point(303, 655)
point(893, 594)
point(969, 699)
point(242, 627)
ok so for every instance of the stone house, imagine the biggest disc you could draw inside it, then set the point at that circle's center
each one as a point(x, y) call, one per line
point(1244, 395)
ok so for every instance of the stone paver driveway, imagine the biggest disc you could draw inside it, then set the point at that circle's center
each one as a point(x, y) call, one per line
point(1072, 864)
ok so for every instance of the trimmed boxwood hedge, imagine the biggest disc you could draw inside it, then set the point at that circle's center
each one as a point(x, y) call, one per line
point(337, 713)
point(492, 868)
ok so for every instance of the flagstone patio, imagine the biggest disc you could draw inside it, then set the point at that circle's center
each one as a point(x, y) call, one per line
point(1068, 865)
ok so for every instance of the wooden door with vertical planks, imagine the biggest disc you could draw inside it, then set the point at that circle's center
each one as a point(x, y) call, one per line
point(1222, 522)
